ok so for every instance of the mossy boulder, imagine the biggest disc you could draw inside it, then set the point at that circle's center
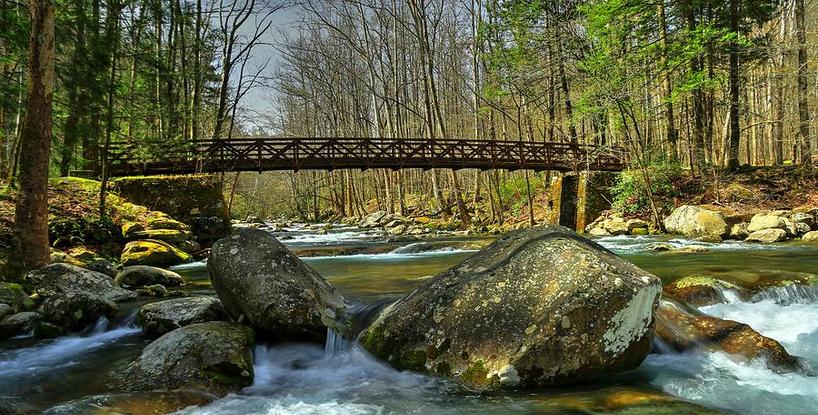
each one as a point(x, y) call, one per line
point(684, 328)
point(768, 235)
point(696, 221)
point(257, 277)
point(166, 222)
point(216, 357)
point(164, 316)
point(537, 307)
point(144, 275)
point(76, 311)
point(171, 236)
point(15, 297)
point(699, 290)
point(68, 279)
point(153, 252)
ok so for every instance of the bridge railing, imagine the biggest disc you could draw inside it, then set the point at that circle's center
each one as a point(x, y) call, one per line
point(242, 154)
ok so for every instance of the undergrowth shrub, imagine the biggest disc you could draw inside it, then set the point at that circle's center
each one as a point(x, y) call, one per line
point(630, 195)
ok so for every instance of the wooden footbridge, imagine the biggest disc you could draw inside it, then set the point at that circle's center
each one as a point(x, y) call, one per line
point(264, 154)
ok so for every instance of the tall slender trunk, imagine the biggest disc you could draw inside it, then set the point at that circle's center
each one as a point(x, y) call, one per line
point(803, 105)
point(734, 139)
point(31, 248)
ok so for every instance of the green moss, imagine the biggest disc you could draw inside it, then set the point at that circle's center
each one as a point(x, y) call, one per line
point(476, 374)
point(698, 281)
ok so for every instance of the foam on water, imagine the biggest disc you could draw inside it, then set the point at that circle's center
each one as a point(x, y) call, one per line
point(715, 379)
point(627, 244)
point(61, 352)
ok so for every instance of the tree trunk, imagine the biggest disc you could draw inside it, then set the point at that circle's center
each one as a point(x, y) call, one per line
point(733, 140)
point(803, 106)
point(31, 248)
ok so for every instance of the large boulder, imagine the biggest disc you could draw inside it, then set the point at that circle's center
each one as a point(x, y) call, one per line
point(537, 307)
point(768, 235)
point(164, 316)
point(684, 328)
point(76, 311)
point(153, 252)
point(810, 236)
point(257, 277)
point(699, 290)
point(143, 275)
point(69, 279)
point(695, 221)
point(216, 357)
point(372, 220)
point(174, 237)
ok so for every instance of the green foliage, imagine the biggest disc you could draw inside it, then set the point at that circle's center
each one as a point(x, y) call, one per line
point(630, 192)
point(514, 193)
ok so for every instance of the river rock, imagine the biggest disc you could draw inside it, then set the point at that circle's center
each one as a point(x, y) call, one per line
point(810, 236)
point(172, 236)
point(699, 291)
point(76, 311)
point(138, 403)
point(372, 220)
point(257, 277)
point(768, 235)
point(739, 231)
point(166, 222)
point(153, 252)
point(103, 266)
point(164, 316)
point(684, 328)
point(68, 279)
point(143, 275)
point(215, 356)
point(15, 297)
point(537, 307)
point(5, 311)
point(20, 323)
point(695, 221)
point(804, 218)
point(764, 221)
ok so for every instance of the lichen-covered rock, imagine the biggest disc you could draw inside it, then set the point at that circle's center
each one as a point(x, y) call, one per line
point(143, 275)
point(20, 323)
point(537, 307)
point(372, 220)
point(15, 297)
point(768, 235)
point(76, 311)
point(695, 221)
point(699, 291)
point(810, 236)
point(684, 328)
point(256, 276)
point(215, 356)
point(804, 218)
point(164, 316)
point(153, 252)
point(67, 279)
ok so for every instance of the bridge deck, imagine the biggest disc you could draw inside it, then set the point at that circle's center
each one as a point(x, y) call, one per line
point(263, 154)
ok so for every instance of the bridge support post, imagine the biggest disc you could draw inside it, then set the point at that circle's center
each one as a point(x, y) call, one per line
point(575, 200)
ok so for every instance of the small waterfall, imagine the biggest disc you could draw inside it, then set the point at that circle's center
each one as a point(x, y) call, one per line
point(731, 296)
point(789, 294)
point(336, 343)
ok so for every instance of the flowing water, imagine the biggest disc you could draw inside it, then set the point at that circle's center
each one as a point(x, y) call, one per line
point(367, 268)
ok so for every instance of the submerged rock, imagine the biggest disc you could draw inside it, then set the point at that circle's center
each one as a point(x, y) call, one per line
point(537, 307)
point(618, 400)
point(153, 252)
point(76, 311)
point(684, 328)
point(695, 221)
point(164, 316)
point(139, 403)
point(257, 277)
point(699, 291)
point(216, 357)
point(68, 279)
point(144, 275)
